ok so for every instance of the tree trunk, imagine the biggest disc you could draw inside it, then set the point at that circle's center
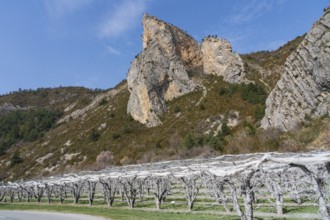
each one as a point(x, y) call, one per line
point(75, 200)
point(111, 202)
point(279, 207)
point(190, 205)
point(237, 207)
point(321, 200)
point(158, 203)
point(248, 200)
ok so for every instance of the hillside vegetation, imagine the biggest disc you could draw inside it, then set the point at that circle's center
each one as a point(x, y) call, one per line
point(25, 126)
point(266, 66)
point(58, 98)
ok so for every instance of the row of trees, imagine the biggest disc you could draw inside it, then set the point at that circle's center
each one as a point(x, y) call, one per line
point(228, 182)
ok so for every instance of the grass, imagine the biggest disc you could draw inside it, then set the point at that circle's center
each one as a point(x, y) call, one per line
point(204, 208)
point(115, 213)
point(112, 213)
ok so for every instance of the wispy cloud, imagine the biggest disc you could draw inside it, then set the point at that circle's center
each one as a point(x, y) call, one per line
point(122, 18)
point(249, 10)
point(113, 51)
point(61, 8)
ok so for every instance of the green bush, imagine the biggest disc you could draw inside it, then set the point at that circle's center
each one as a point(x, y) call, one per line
point(115, 136)
point(103, 102)
point(189, 142)
point(250, 129)
point(216, 142)
point(15, 159)
point(229, 90)
point(177, 109)
point(94, 135)
point(158, 145)
point(253, 93)
point(225, 130)
point(259, 112)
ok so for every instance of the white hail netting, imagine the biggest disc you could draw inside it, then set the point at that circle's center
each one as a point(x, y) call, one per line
point(223, 166)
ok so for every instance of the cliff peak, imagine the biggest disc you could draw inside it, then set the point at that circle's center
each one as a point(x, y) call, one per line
point(160, 72)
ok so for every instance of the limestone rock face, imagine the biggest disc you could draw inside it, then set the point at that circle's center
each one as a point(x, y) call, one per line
point(219, 59)
point(160, 72)
point(304, 87)
point(172, 40)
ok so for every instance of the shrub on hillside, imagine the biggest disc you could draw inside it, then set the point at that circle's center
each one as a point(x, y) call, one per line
point(94, 135)
point(15, 159)
point(253, 93)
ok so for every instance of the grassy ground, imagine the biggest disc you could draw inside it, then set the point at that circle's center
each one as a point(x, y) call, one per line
point(124, 213)
point(113, 213)
point(204, 208)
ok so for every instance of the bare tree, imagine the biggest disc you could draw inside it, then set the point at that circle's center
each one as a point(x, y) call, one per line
point(216, 188)
point(76, 189)
point(161, 187)
point(91, 186)
point(273, 184)
point(246, 186)
point(20, 192)
point(3, 191)
point(28, 192)
point(236, 204)
point(49, 188)
point(11, 193)
point(191, 185)
point(131, 187)
point(60, 192)
point(110, 186)
point(248, 194)
point(39, 192)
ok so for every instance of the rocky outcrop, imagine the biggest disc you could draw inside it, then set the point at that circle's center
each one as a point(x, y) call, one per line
point(219, 59)
point(174, 41)
point(304, 88)
point(160, 72)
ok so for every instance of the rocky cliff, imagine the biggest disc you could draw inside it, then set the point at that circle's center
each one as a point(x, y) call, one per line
point(219, 59)
point(161, 71)
point(304, 88)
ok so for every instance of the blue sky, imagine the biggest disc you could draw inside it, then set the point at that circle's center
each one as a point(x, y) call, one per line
point(51, 43)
